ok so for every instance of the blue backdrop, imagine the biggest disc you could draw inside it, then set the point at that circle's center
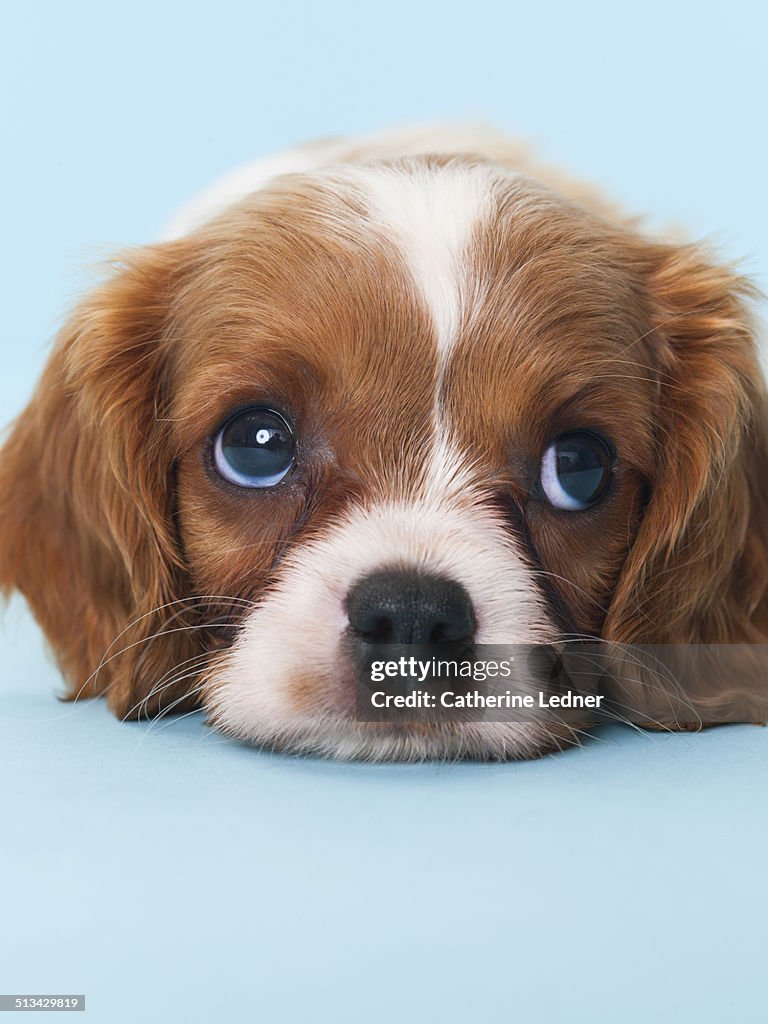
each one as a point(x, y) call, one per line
point(167, 868)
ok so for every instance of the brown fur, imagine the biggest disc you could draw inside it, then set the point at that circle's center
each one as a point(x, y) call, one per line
point(109, 512)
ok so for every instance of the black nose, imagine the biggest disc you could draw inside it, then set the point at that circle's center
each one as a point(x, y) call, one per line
point(409, 607)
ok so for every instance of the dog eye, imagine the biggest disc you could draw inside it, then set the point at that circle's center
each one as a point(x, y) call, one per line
point(576, 470)
point(255, 448)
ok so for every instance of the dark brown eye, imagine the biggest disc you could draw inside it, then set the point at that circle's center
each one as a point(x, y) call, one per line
point(255, 448)
point(576, 470)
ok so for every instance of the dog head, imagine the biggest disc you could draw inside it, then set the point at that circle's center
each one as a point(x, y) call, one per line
point(425, 399)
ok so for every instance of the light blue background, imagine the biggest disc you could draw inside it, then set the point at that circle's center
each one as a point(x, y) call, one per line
point(624, 881)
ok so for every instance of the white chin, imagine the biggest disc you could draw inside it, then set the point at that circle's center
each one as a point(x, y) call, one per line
point(349, 740)
point(285, 684)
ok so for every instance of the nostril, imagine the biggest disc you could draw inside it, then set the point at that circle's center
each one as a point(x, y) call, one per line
point(378, 630)
point(452, 632)
point(406, 606)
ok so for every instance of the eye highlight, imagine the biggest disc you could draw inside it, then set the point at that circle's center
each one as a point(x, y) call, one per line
point(255, 448)
point(576, 470)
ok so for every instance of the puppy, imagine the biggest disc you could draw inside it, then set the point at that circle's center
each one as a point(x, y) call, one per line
point(408, 388)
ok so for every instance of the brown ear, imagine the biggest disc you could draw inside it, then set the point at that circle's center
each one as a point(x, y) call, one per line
point(86, 491)
point(697, 573)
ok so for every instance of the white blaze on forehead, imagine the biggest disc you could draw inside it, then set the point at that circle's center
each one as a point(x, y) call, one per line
point(430, 213)
point(326, 153)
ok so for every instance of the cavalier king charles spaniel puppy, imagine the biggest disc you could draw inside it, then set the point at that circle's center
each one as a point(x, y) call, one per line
point(400, 389)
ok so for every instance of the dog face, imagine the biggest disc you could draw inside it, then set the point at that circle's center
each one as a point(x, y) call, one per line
point(418, 400)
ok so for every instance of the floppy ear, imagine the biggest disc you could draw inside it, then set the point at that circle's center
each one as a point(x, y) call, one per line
point(86, 491)
point(697, 573)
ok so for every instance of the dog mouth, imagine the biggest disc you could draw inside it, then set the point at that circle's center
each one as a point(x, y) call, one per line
point(402, 706)
point(415, 583)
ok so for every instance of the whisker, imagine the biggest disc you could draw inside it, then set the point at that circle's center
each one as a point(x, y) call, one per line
point(194, 665)
point(195, 601)
point(167, 711)
point(154, 728)
point(622, 654)
point(574, 586)
point(168, 632)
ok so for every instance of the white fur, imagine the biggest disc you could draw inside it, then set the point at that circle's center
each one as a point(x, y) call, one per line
point(327, 153)
point(297, 629)
point(431, 214)
point(441, 522)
